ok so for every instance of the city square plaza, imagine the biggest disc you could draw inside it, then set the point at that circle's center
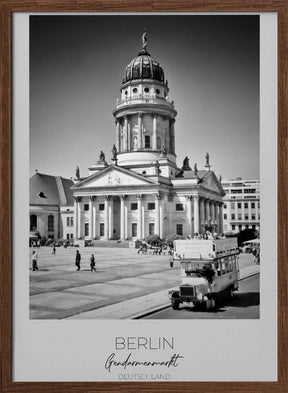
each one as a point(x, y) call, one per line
point(125, 285)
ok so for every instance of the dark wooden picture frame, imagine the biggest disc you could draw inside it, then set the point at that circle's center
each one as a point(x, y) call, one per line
point(8, 7)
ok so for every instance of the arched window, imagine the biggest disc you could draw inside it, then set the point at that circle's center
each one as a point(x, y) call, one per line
point(33, 222)
point(50, 223)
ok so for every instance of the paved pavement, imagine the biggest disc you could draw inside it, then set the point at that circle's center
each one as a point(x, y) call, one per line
point(125, 286)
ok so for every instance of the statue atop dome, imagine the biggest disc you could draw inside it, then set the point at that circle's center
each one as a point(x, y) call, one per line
point(144, 41)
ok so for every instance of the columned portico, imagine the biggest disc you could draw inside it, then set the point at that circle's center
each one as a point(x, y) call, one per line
point(207, 210)
point(79, 218)
point(217, 216)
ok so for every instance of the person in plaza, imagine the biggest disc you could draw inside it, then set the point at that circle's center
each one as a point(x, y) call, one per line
point(78, 259)
point(38, 243)
point(92, 263)
point(34, 261)
point(54, 249)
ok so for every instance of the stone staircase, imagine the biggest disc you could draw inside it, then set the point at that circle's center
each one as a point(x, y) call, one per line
point(111, 243)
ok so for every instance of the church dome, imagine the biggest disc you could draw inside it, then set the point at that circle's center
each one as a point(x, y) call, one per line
point(143, 66)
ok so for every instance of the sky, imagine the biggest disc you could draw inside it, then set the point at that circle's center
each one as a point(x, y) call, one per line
point(76, 68)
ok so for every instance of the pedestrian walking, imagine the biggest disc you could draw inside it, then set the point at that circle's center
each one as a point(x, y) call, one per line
point(54, 249)
point(78, 259)
point(34, 261)
point(92, 263)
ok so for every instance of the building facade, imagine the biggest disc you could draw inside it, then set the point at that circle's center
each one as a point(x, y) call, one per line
point(51, 206)
point(143, 191)
point(241, 208)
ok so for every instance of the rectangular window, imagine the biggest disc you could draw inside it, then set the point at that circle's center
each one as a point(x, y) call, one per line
point(246, 226)
point(240, 227)
point(147, 141)
point(253, 205)
point(233, 227)
point(225, 216)
point(239, 205)
point(101, 206)
point(179, 207)
point(67, 236)
point(232, 216)
point(239, 216)
point(151, 228)
point(151, 206)
point(134, 229)
point(71, 221)
point(246, 205)
point(232, 205)
point(253, 216)
point(86, 229)
point(134, 206)
point(246, 217)
point(50, 223)
point(179, 229)
point(86, 207)
point(102, 229)
point(225, 206)
point(68, 221)
point(71, 236)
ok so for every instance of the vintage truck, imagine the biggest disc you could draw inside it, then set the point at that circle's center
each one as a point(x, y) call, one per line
point(208, 267)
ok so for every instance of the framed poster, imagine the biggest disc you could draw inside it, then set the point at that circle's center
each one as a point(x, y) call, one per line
point(209, 71)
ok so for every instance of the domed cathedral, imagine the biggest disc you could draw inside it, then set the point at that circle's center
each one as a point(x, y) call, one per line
point(143, 192)
point(145, 117)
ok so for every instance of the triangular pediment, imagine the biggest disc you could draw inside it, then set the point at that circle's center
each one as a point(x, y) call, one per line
point(210, 182)
point(114, 176)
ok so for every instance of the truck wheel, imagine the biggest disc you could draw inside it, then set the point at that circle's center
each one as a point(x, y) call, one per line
point(230, 292)
point(175, 303)
point(210, 304)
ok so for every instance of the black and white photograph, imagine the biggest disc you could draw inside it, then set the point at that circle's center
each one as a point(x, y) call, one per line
point(144, 183)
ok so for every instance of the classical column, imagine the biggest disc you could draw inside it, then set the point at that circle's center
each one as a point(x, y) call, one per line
point(154, 136)
point(157, 214)
point(172, 135)
point(213, 214)
point(91, 217)
point(143, 222)
point(160, 218)
point(75, 217)
point(196, 212)
point(202, 216)
point(126, 221)
point(139, 220)
point(122, 217)
point(140, 138)
point(217, 216)
point(221, 218)
point(94, 227)
point(79, 219)
point(117, 135)
point(170, 219)
point(207, 210)
point(106, 219)
point(110, 218)
point(126, 133)
point(189, 199)
point(249, 211)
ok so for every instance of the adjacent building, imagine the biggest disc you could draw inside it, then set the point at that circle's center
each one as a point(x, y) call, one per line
point(241, 208)
point(51, 206)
